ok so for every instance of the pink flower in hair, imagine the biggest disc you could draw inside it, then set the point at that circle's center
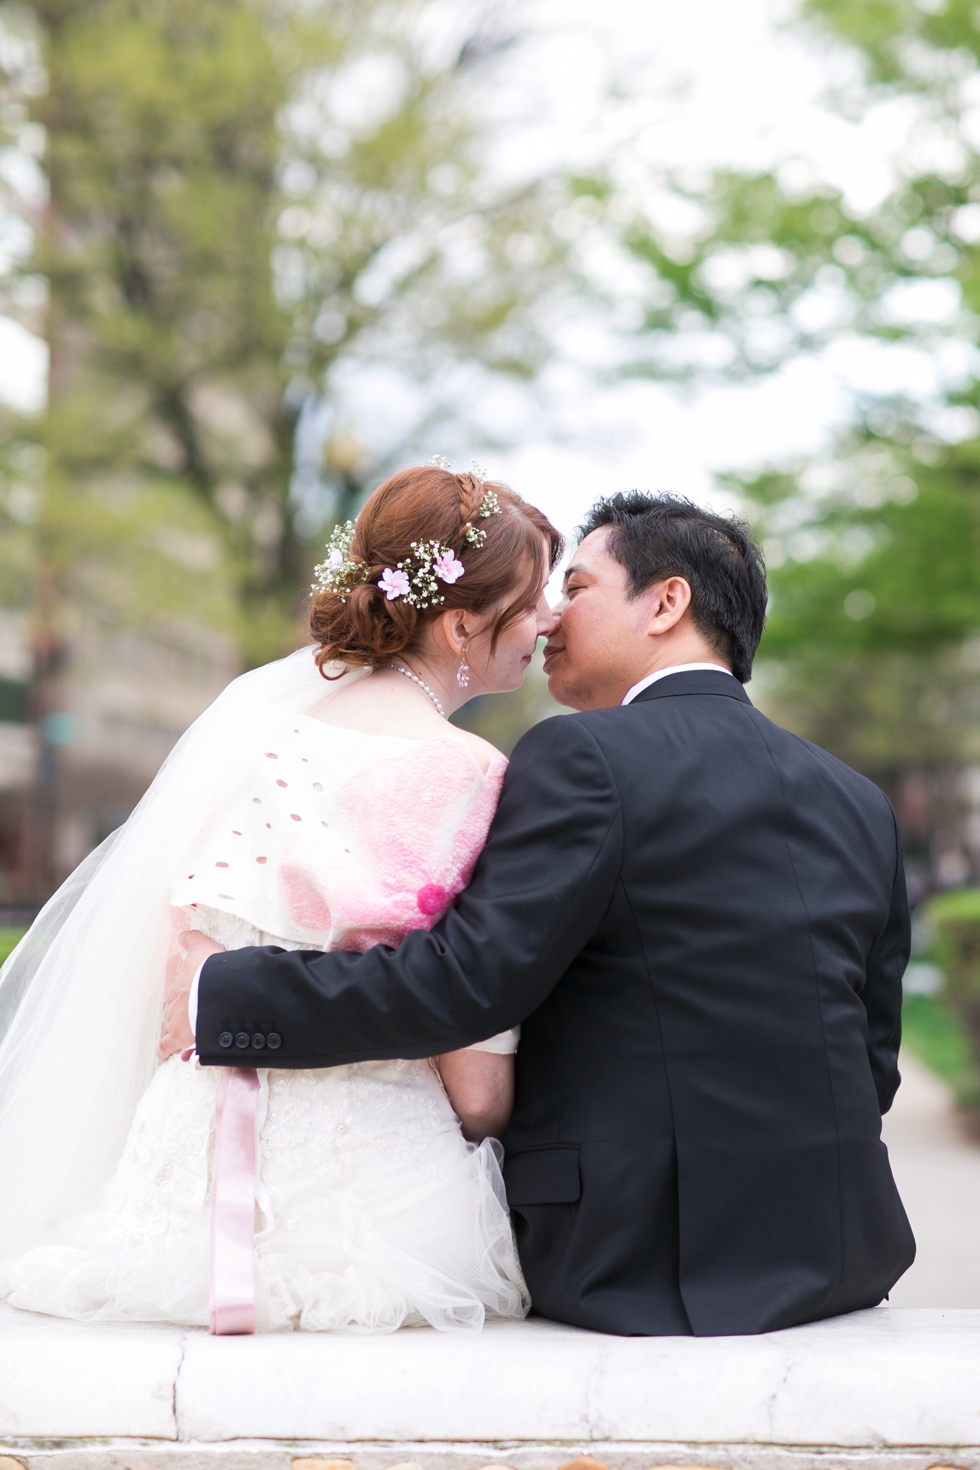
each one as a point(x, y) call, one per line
point(448, 568)
point(393, 583)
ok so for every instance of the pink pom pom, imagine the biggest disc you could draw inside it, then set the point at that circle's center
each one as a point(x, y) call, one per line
point(432, 899)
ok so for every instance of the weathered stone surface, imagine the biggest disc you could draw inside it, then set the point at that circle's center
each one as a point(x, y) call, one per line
point(887, 1387)
point(277, 1455)
point(883, 1377)
point(74, 1380)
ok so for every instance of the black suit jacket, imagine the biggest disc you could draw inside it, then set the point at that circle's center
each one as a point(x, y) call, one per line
point(701, 921)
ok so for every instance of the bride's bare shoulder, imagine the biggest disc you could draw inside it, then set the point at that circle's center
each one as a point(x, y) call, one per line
point(483, 752)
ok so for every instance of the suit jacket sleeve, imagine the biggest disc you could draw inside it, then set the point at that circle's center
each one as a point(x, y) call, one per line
point(540, 887)
point(882, 993)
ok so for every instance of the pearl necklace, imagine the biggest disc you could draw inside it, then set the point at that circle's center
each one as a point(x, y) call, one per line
point(399, 669)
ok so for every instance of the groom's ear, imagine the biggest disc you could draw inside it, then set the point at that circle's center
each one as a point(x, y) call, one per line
point(667, 603)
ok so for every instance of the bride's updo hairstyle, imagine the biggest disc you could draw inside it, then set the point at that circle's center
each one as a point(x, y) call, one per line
point(504, 568)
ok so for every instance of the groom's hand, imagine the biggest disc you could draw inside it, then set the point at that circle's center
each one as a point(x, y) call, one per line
point(175, 1031)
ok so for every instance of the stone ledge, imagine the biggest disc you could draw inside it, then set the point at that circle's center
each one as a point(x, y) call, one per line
point(895, 1387)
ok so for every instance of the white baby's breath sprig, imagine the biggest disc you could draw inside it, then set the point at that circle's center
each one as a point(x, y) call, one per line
point(489, 506)
point(440, 462)
point(338, 573)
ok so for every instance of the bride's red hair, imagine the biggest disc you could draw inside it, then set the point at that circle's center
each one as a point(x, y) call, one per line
point(427, 504)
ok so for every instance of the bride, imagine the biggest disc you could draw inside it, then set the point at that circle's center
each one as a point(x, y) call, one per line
point(322, 802)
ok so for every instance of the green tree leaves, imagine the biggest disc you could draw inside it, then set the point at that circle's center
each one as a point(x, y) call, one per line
point(248, 199)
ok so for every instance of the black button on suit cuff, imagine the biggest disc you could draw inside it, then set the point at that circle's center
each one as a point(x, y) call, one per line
point(257, 1041)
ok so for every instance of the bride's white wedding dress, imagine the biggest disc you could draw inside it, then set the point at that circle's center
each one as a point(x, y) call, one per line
point(373, 1212)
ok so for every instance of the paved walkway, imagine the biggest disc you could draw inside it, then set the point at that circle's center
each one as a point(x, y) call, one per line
point(938, 1174)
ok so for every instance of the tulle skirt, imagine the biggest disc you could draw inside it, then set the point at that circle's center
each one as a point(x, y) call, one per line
point(375, 1213)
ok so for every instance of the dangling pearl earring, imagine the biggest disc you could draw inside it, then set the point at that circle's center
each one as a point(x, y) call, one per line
point(463, 672)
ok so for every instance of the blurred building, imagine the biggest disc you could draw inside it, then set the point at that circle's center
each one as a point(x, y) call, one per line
point(123, 700)
point(18, 754)
point(939, 814)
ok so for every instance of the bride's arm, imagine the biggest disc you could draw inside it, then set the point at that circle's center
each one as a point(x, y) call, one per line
point(176, 1031)
point(480, 1085)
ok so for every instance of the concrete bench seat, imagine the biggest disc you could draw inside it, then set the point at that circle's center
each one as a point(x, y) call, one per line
point(890, 1387)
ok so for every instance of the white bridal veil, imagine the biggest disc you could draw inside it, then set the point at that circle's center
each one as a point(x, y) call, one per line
point(81, 995)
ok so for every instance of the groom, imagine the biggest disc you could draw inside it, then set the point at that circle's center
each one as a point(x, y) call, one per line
point(701, 922)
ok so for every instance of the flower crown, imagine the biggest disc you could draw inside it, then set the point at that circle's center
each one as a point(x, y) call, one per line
point(416, 578)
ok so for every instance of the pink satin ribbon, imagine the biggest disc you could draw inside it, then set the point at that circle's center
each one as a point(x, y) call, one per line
point(233, 1185)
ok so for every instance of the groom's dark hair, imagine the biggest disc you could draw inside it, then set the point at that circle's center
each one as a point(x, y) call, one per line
point(658, 536)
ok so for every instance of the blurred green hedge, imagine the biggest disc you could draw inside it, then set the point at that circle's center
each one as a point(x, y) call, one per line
point(954, 920)
point(935, 1034)
point(9, 939)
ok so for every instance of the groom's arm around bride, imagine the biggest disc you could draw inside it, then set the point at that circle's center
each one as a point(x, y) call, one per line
point(701, 921)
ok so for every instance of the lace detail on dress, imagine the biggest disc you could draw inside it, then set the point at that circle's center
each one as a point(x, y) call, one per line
point(162, 1178)
point(375, 1213)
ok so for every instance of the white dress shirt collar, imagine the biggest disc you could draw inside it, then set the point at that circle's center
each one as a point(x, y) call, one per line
point(674, 669)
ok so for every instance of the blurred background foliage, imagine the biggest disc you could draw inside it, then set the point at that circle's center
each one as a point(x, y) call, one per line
point(948, 1030)
point(217, 210)
point(241, 197)
point(873, 640)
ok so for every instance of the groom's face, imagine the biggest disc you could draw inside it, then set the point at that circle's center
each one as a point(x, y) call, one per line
point(601, 646)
